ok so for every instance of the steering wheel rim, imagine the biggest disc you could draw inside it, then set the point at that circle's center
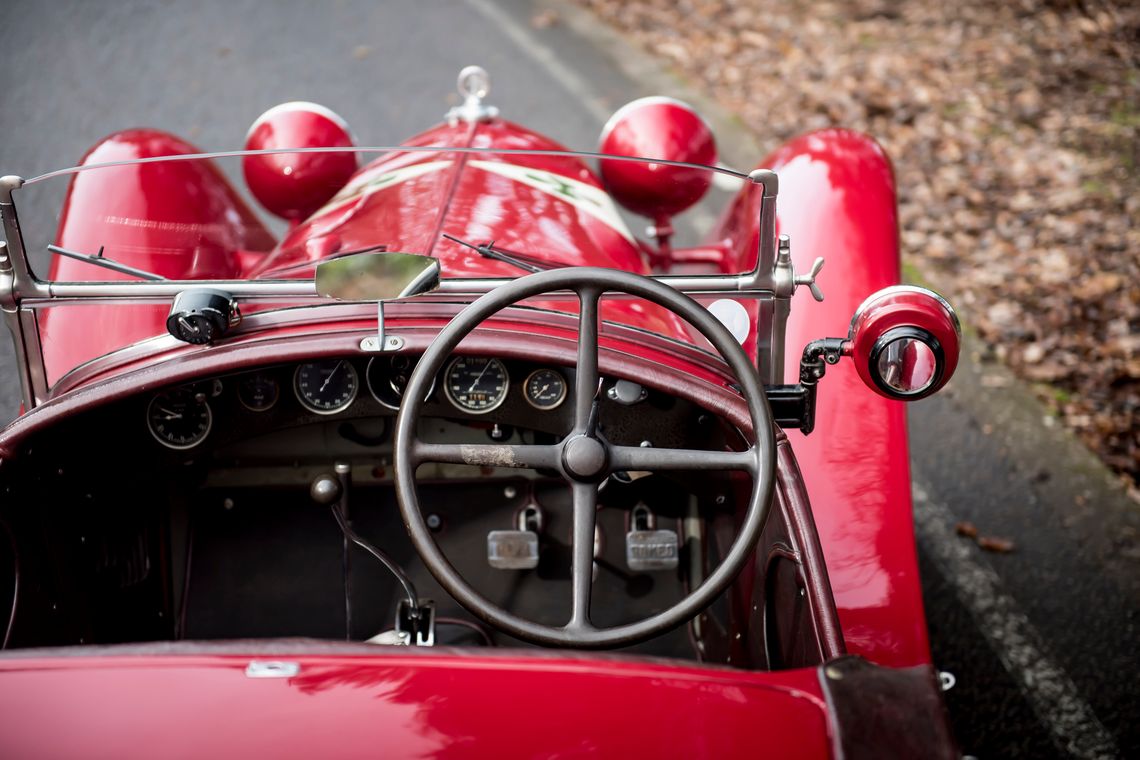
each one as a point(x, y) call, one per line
point(583, 458)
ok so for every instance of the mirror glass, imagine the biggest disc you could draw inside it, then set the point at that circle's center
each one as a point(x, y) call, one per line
point(377, 276)
point(907, 365)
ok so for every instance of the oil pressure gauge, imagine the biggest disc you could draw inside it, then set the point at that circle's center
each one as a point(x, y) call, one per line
point(179, 419)
point(545, 389)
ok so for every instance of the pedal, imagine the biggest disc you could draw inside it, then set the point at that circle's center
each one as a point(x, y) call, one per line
point(516, 549)
point(647, 548)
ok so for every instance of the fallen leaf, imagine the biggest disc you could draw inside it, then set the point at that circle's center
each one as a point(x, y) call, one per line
point(996, 545)
point(967, 529)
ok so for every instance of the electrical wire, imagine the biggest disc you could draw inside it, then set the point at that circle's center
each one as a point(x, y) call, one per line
point(15, 585)
point(480, 629)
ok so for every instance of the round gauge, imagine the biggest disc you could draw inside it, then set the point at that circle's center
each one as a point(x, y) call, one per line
point(476, 384)
point(258, 391)
point(545, 389)
point(325, 387)
point(387, 377)
point(179, 419)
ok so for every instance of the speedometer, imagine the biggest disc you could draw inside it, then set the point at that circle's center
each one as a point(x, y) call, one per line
point(476, 384)
point(326, 387)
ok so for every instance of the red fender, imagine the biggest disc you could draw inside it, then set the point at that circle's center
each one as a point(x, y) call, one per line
point(837, 200)
point(178, 219)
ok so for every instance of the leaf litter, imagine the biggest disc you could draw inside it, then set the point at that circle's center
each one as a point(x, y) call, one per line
point(1014, 129)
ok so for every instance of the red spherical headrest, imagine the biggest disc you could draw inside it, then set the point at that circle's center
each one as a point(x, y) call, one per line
point(294, 185)
point(657, 128)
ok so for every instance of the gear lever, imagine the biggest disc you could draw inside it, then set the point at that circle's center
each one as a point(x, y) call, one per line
point(332, 491)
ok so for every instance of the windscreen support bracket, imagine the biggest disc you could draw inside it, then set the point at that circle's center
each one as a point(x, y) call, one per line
point(16, 280)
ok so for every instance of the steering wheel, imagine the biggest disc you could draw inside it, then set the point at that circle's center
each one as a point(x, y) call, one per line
point(584, 458)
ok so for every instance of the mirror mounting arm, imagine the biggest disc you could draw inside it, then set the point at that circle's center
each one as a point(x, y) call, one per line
point(818, 354)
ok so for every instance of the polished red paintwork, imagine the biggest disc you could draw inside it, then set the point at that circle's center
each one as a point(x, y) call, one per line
point(898, 308)
point(385, 705)
point(657, 128)
point(179, 219)
point(294, 185)
point(837, 200)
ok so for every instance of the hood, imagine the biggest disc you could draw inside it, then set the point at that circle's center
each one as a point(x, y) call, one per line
point(547, 207)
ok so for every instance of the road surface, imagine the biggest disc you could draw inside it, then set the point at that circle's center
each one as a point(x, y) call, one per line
point(1041, 641)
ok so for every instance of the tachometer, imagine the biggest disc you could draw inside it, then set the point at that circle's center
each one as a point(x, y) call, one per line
point(476, 384)
point(326, 387)
point(258, 391)
point(545, 389)
point(180, 418)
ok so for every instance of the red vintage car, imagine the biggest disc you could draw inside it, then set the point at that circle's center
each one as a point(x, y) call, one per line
point(383, 475)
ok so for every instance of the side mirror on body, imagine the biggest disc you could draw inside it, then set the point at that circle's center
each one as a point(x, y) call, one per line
point(905, 342)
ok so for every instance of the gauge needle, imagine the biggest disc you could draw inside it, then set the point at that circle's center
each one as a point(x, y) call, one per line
point(169, 414)
point(543, 389)
point(330, 377)
point(485, 368)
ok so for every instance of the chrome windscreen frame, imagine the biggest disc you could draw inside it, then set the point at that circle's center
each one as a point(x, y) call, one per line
point(772, 283)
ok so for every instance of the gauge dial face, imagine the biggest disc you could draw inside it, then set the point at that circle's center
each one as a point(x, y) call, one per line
point(545, 389)
point(326, 387)
point(258, 392)
point(387, 377)
point(179, 419)
point(476, 384)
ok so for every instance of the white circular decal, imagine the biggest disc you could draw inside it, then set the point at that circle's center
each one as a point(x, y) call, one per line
point(732, 315)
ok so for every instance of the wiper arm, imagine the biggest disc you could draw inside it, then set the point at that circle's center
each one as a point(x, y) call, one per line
point(100, 261)
point(489, 251)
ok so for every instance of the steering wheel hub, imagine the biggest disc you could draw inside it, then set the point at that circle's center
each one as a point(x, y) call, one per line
point(585, 458)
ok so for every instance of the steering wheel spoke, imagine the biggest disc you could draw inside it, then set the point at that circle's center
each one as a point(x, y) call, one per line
point(486, 454)
point(586, 379)
point(649, 459)
point(582, 555)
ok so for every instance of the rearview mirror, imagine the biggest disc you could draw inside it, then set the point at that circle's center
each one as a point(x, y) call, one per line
point(377, 276)
point(905, 342)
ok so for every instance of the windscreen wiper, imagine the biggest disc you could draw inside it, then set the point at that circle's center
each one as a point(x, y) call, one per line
point(100, 260)
point(489, 251)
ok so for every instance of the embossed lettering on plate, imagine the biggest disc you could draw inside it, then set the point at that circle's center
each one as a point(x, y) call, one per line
point(650, 550)
point(512, 549)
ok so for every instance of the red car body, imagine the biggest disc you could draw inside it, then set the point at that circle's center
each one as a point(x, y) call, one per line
point(837, 199)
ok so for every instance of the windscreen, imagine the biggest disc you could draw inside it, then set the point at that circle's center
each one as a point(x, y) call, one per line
point(274, 215)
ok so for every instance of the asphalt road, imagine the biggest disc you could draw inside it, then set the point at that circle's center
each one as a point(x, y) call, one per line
point(1042, 641)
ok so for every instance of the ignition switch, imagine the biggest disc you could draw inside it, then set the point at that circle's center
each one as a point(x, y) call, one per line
point(201, 315)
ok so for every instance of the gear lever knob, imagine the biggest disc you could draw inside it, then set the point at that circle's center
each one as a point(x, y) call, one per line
point(325, 490)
